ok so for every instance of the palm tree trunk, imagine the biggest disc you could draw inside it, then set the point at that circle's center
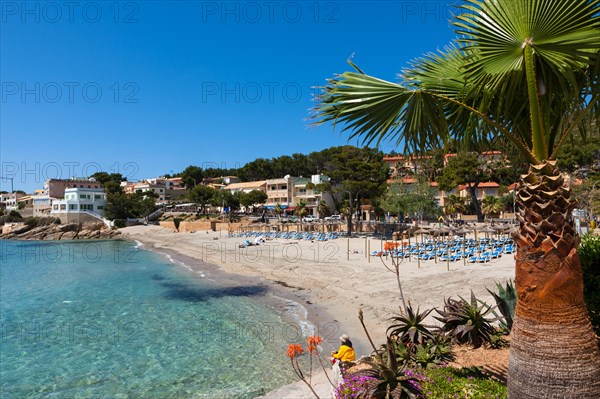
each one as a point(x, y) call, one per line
point(476, 204)
point(553, 353)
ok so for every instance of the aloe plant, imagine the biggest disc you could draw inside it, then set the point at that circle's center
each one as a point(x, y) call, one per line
point(441, 346)
point(467, 322)
point(410, 327)
point(390, 380)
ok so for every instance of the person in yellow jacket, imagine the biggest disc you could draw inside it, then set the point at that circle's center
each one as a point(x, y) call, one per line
point(346, 352)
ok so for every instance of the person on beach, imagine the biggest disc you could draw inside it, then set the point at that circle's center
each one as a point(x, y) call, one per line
point(346, 352)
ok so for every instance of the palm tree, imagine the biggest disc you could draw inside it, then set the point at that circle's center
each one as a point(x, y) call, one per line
point(454, 205)
point(301, 211)
point(278, 210)
point(525, 72)
point(323, 209)
point(491, 206)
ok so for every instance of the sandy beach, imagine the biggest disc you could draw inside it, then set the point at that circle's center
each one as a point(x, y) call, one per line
point(330, 281)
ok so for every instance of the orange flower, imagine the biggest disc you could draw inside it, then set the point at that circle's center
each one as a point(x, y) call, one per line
point(294, 350)
point(313, 341)
point(389, 245)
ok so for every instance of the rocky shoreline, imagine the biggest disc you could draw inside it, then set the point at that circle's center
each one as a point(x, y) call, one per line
point(70, 231)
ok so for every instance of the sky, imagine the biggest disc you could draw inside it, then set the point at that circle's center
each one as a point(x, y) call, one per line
point(145, 88)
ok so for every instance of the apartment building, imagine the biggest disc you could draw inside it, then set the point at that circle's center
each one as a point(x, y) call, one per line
point(78, 200)
point(55, 188)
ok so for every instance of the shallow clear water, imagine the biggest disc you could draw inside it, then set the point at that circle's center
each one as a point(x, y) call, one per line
point(106, 320)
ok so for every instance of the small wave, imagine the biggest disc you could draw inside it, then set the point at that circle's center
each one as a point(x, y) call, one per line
point(138, 244)
point(298, 314)
point(176, 262)
point(68, 301)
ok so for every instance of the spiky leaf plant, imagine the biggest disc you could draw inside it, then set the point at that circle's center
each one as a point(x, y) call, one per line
point(441, 346)
point(467, 322)
point(390, 380)
point(410, 327)
point(506, 301)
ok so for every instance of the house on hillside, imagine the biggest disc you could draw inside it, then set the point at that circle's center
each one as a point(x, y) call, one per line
point(55, 188)
point(246, 187)
point(79, 205)
point(305, 189)
point(483, 190)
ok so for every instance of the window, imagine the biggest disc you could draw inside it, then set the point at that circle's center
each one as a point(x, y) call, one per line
point(72, 207)
point(55, 207)
point(100, 207)
point(97, 197)
point(63, 207)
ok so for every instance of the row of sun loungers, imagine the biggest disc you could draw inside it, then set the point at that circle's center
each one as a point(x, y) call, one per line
point(287, 235)
point(481, 251)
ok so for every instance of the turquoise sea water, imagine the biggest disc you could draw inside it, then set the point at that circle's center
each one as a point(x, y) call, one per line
point(107, 320)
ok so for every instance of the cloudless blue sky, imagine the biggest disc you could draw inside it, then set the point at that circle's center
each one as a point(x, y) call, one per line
point(148, 87)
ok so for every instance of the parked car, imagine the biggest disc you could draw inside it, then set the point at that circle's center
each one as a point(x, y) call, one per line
point(334, 218)
point(309, 219)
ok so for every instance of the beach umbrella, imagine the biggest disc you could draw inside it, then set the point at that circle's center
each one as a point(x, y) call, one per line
point(501, 229)
point(420, 231)
point(486, 230)
point(464, 233)
point(440, 231)
point(437, 233)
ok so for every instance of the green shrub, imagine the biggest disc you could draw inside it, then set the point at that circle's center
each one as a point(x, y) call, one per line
point(589, 253)
point(119, 223)
point(12, 217)
point(35, 221)
point(15, 214)
point(449, 382)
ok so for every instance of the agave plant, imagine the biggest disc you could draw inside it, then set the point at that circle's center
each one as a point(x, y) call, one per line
point(466, 322)
point(506, 301)
point(410, 327)
point(390, 380)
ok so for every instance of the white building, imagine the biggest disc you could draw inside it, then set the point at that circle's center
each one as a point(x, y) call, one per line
point(305, 190)
point(78, 200)
point(8, 201)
